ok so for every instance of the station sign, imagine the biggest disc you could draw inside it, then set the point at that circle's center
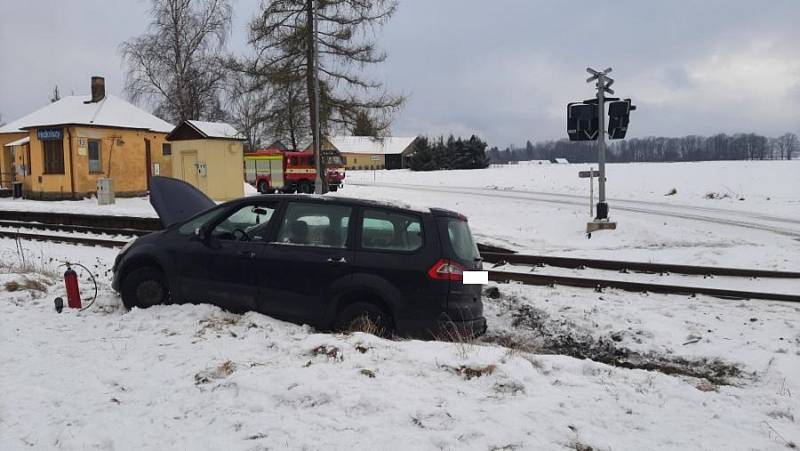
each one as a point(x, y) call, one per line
point(50, 134)
point(587, 174)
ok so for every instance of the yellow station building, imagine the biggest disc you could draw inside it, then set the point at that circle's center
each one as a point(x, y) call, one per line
point(59, 151)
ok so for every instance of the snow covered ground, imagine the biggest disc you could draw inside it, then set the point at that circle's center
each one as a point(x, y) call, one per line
point(544, 209)
point(560, 368)
point(667, 372)
point(752, 186)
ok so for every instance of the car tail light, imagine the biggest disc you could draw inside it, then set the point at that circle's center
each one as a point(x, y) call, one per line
point(446, 270)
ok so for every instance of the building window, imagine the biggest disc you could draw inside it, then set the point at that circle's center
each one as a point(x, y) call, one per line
point(53, 156)
point(166, 149)
point(94, 156)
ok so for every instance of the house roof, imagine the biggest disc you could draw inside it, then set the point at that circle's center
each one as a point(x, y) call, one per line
point(19, 142)
point(13, 127)
point(216, 130)
point(109, 112)
point(369, 145)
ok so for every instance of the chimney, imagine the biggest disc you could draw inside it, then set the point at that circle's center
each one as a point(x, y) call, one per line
point(98, 89)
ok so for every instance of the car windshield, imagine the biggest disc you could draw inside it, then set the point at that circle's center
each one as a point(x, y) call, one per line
point(461, 240)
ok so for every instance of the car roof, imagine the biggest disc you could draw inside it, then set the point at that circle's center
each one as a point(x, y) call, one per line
point(349, 201)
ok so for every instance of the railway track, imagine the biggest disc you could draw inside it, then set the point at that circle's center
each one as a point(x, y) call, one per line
point(81, 226)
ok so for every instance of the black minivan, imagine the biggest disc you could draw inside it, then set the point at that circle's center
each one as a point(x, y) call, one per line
point(323, 261)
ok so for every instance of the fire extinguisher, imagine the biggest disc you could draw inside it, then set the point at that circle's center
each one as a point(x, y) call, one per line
point(73, 292)
point(71, 282)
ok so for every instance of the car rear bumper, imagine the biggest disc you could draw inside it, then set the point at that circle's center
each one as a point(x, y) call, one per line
point(443, 328)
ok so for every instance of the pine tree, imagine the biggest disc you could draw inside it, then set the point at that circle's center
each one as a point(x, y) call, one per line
point(364, 125)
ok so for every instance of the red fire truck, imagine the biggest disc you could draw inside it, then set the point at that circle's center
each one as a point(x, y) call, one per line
point(271, 170)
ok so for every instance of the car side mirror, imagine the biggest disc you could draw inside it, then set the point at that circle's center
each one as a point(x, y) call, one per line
point(201, 233)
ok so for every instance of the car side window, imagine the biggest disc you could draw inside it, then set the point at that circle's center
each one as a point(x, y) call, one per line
point(312, 224)
point(389, 230)
point(248, 223)
point(189, 227)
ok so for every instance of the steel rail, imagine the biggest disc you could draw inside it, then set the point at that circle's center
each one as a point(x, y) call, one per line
point(87, 220)
point(87, 241)
point(619, 265)
point(73, 228)
point(598, 284)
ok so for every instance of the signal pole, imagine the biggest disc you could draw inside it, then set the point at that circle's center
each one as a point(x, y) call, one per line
point(603, 85)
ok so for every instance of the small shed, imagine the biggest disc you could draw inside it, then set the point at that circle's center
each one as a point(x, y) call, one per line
point(209, 156)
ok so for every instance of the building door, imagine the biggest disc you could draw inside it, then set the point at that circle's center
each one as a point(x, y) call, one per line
point(147, 162)
point(189, 167)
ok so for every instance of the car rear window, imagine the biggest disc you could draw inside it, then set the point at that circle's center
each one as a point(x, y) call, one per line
point(389, 230)
point(461, 240)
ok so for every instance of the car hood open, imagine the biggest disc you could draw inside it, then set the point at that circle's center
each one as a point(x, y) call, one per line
point(175, 200)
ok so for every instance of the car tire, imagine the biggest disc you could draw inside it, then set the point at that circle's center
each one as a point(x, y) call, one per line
point(354, 318)
point(333, 188)
point(263, 187)
point(144, 287)
point(305, 187)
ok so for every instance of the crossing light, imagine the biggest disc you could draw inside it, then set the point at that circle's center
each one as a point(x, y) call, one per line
point(582, 121)
point(619, 117)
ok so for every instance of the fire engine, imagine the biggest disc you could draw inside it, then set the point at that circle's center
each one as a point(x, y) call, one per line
point(271, 170)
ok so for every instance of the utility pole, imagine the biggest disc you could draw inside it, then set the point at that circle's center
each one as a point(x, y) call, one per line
point(319, 183)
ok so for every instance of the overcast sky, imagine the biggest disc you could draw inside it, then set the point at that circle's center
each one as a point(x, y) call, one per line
point(503, 69)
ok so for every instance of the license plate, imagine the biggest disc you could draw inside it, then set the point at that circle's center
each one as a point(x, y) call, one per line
point(476, 277)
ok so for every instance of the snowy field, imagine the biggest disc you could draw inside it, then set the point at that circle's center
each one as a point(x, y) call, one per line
point(560, 368)
point(544, 209)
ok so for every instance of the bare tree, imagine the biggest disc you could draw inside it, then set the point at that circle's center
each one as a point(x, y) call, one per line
point(55, 96)
point(284, 38)
point(787, 144)
point(287, 115)
point(176, 65)
point(248, 109)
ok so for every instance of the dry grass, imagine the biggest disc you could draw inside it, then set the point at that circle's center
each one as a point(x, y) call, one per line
point(23, 263)
point(471, 372)
point(332, 352)
point(464, 343)
point(217, 324)
point(365, 325)
point(222, 370)
point(26, 284)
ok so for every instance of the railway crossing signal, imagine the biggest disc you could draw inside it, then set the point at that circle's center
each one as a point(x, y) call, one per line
point(586, 122)
point(618, 118)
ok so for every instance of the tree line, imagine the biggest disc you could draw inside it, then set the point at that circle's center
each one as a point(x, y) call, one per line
point(742, 146)
point(180, 66)
point(451, 153)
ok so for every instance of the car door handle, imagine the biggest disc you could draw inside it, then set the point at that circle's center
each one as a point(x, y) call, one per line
point(337, 261)
point(248, 254)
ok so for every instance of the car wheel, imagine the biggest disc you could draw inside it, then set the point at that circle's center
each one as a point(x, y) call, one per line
point(364, 317)
point(333, 188)
point(144, 287)
point(263, 187)
point(305, 187)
